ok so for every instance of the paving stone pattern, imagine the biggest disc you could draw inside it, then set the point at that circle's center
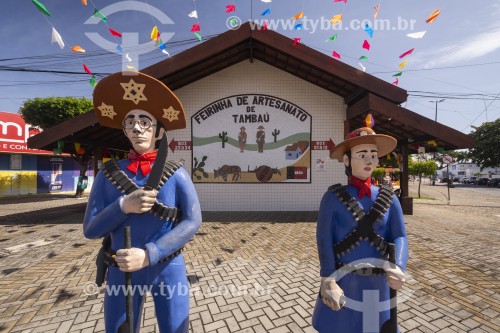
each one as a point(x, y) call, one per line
point(254, 272)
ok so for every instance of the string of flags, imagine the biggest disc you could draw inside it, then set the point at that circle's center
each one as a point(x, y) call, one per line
point(415, 35)
point(231, 7)
point(195, 28)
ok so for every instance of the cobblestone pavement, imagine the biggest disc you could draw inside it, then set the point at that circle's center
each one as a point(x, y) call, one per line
point(253, 272)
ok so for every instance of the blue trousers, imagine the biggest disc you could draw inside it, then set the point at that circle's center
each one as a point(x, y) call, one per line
point(167, 283)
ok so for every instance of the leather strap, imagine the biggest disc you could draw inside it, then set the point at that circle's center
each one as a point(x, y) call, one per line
point(124, 184)
point(364, 229)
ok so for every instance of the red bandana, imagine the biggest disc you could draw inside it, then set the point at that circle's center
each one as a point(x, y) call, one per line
point(141, 161)
point(362, 186)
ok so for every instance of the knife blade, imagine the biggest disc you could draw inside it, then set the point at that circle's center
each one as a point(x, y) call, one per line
point(157, 170)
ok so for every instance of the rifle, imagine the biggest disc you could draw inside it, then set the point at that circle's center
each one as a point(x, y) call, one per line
point(128, 325)
point(391, 325)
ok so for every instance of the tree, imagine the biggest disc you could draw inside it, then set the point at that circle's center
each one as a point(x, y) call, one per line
point(50, 111)
point(486, 153)
point(421, 168)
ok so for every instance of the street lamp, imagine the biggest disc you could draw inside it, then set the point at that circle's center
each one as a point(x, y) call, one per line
point(436, 102)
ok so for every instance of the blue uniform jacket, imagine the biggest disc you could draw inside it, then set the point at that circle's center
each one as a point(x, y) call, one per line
point(158, 237)
point(335, 222)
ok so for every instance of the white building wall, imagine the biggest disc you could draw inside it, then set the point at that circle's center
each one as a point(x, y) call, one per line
point(327, 111)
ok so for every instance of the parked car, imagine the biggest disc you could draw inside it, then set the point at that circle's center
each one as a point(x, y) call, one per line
point(482, 181)
point(464, 180)
point(493, 182)
point(456, 179)
point(472, 180)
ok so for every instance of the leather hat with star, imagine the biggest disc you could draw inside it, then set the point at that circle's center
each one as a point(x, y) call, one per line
point(364, 135)
point(122, 92)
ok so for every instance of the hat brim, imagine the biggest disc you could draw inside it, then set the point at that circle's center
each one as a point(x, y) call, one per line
point(385, 144)
point(119, 93)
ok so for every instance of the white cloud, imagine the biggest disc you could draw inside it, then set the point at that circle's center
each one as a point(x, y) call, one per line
point(466, 48)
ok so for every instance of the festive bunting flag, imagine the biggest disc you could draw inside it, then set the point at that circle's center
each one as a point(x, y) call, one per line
point(92, 81)
point(344, 1)
point(433, 16)
point(440, 150)
point(265, 26)
point(77, 146)
point(154, 33)
point(57, 38)
point(406, 53)
point(163, 46)
point(60, 144)
point(266, 1)
point(369, 30)
point(334, 37)
point(195, 27)
point(131, 67)
point(97, 13)
point(128, 58)
point(114, 32)
point(77, 48)
point(119, 48)
point(369, 121)
point(41, 7)
point(432, 143)
point(266, 12)
point(336, 19)
point(366, 45)
point(298, 16)
point(296, 41)
point(230, 8)
point(417, 35)
point(421, 150)
point(86, 69)
point(198, 36)
point(298, 26)
point(396, 82)
point(166, 52)
point(388, 157)
point(335, 55)
point(193, 14)
point(377, 8)
point(158, 42)
point(363, 67)
point(402, 65)
point(415, 146)
point(398, 74)
point(84, 2)
point(364, 58)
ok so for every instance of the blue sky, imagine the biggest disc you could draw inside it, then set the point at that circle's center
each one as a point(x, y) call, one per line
point(459, 55)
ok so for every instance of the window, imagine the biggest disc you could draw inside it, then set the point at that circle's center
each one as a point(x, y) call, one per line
point(16, 162)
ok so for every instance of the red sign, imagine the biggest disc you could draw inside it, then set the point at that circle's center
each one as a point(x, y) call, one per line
point(322, 145)
point(14, 134)
point(180, 145)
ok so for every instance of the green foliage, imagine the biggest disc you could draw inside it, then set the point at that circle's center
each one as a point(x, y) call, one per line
point(421, 168)
point(486, 153)
point(378, 173)
point(48, 112)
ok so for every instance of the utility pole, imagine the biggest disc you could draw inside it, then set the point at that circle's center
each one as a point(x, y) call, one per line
point(436, 119)
point(436, 102)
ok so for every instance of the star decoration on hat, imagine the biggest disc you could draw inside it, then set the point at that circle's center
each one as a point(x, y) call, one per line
point(170, 114)
point(134, 91)
point(107, 110)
